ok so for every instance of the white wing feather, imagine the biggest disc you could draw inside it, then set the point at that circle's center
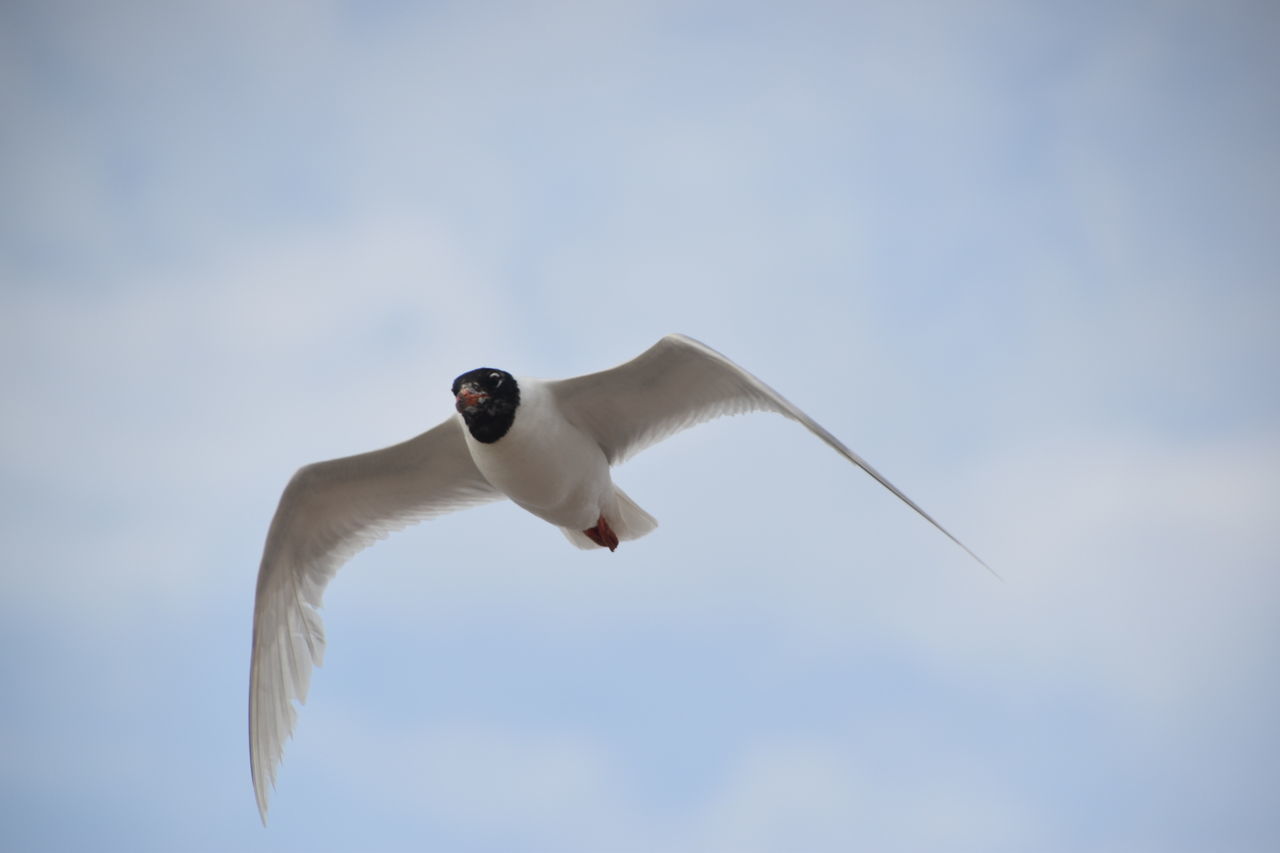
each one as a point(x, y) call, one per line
point(675, 384)
point(329, 512)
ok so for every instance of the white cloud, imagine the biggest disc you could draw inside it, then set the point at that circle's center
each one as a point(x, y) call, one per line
point(550, 788)
point(822, 795)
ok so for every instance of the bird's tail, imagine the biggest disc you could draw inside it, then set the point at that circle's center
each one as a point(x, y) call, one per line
point(628, 521)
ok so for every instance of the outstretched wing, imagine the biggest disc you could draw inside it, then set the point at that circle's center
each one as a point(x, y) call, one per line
point(328, 512)
point(675, 384)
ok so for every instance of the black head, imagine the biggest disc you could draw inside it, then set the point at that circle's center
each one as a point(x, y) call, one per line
point(487, 399)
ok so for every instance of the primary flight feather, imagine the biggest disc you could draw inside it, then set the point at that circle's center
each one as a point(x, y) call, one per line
point(546, 445)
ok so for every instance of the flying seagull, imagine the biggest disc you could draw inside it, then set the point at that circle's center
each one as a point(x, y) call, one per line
point(546, 445)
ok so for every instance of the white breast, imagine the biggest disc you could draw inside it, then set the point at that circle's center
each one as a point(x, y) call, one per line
point(546, 464)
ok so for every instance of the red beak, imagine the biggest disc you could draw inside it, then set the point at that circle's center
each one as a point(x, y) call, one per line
point(469, 398)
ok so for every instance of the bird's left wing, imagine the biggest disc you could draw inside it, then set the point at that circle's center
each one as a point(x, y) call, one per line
point(328, 512)
point(677, 383)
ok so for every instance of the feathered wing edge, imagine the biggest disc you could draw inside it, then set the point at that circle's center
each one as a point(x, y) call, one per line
point(680, 382)
point(675, 384)
point(329, 512)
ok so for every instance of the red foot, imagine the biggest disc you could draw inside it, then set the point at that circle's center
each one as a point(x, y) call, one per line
point(602, 534)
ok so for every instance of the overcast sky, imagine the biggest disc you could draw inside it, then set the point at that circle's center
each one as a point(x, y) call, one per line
point(1022, 256)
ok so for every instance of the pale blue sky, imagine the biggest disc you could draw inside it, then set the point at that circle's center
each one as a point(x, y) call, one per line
point(1022, 256)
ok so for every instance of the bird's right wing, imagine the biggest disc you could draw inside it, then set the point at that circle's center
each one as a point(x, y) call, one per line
point(328, 512)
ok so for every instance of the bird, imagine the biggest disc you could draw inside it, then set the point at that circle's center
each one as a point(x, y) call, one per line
point(546, 445)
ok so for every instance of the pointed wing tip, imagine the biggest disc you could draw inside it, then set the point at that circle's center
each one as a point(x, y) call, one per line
point(967, 550)
point(261, 775)
point(984, 565)
point(261, 794)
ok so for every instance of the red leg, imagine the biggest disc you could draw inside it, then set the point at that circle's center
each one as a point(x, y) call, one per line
point(602, 534)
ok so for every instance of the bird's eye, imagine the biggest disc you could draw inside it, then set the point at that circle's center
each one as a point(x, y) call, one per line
point(496, 378)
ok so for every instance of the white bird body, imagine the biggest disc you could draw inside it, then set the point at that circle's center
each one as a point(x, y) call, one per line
point(548, 445)
point(551, 467)
point(546, 464)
